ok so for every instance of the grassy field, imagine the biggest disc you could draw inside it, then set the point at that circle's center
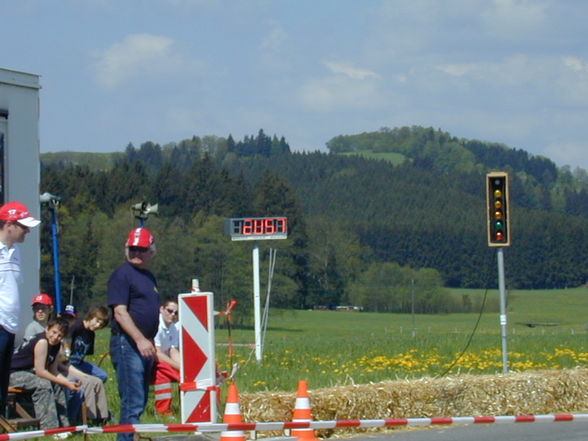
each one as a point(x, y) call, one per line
point(329, 348)
point(332, 348)
point(393, 157)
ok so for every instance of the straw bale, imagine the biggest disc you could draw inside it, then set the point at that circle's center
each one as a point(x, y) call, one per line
point(530, 392)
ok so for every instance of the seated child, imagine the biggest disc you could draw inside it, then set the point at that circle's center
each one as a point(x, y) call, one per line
point(42, 308)
point(82, 341)
point(35, 368)
point(167, 368)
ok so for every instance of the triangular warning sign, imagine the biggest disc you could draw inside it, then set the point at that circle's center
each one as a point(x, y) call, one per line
point(198, 305)
point(194, 358)
point(202, 410)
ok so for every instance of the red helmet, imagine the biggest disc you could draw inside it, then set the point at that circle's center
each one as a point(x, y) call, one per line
point(43, 299)
point(140, 237)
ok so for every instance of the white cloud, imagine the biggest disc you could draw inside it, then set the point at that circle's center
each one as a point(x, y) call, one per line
point(458, 69)
point(139, 55)
point(271, 50)
point(513, 70)
point(274, 39)
point(340, 93)
point(575, 64)
point(349, 70)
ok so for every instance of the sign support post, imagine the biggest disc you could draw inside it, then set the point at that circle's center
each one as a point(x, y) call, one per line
point(257, 303)
point(257, 228)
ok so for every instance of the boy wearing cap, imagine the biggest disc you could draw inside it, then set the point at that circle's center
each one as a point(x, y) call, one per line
point(15, 224)
point(133, 297)
point(42, 308)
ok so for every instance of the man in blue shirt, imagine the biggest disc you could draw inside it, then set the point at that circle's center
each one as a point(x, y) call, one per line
point(133, 297)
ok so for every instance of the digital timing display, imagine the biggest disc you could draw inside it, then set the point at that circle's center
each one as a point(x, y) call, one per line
point(257, 228)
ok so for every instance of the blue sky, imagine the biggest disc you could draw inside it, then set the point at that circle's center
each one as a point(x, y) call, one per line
point(120, 71)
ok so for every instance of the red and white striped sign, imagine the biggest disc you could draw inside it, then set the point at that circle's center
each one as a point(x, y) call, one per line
point(198, 390)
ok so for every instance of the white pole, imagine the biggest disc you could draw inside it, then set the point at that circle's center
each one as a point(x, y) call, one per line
point(503, 321)
point(257, 303)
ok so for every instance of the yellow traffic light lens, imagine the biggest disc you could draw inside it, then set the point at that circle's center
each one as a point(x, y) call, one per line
point(498, 204)
point(498, 214)
point(497, 193)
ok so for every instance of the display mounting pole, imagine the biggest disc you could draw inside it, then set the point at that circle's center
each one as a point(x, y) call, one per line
point(254, 229)
point(503, 321)
point(257, 302)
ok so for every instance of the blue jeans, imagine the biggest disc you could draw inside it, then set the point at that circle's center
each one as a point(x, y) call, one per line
point(6, 348)
point(92, 369)
point(134, 374)
point(74, 405)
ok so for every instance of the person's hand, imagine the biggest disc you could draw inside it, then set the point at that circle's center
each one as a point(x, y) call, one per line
point(74, 385)
point(146, 348)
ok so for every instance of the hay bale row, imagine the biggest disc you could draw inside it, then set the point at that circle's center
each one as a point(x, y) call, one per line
point(540, 392)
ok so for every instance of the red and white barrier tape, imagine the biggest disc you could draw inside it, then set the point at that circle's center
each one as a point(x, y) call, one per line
point(389, 422)
point(275, 426)
point(40, 433)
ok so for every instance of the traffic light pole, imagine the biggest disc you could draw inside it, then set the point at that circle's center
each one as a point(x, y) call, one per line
point(503, 321)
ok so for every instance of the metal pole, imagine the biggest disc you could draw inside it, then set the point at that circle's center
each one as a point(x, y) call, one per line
point(57, 275)
point(257, 303)
point(412, 310)
point(503, 321)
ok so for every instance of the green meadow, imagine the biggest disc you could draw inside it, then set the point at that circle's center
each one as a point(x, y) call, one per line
point(547, 330)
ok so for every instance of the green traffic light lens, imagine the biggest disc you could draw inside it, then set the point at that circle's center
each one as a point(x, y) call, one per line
point(499, 225)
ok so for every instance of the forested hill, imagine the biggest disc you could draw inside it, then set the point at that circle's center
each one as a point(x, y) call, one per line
point(359, 225)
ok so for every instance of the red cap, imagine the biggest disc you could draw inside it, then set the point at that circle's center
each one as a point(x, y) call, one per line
point(140, 237)
point(17, 212)
point(43, 299)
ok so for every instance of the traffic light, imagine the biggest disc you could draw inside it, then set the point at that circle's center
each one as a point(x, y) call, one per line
point(497, 209)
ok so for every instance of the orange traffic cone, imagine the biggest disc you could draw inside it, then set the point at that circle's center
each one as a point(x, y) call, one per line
point(303, 412)
point(232, 416)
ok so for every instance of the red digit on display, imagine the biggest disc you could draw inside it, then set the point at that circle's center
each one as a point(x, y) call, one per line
point(269, 225)
point(282, 225)
point(247, 226)
point(258, 226)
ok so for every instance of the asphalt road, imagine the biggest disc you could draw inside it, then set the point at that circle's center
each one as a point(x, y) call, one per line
point(560, 431)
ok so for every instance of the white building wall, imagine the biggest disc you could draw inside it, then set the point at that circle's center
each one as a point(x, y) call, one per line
point(19, 96)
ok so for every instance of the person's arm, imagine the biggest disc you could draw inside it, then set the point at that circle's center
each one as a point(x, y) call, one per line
point(124, 319)
point(52, 374)
point(73, 371)
point(169, 359)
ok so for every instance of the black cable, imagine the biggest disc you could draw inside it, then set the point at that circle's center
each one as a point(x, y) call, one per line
point(471, 337)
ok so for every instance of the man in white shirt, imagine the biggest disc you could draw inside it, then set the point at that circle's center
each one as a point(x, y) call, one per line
point(15, 224)
point(167, 369)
